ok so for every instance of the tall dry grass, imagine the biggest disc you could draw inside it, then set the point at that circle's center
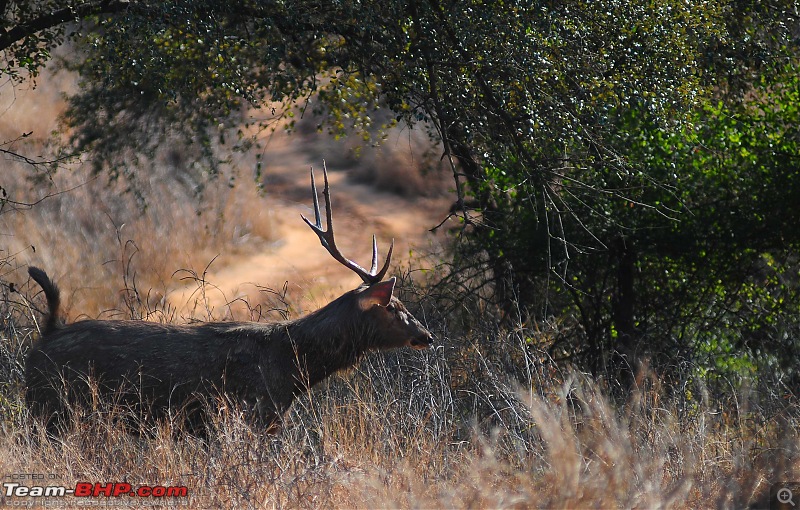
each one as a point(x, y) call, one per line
point(97, 234)
point(394, 158)
point(483, 420)
point(92, 232)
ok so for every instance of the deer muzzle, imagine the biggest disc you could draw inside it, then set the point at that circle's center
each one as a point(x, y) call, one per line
point(421, 342)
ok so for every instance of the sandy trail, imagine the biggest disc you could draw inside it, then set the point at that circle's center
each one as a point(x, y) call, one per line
point(295, 257)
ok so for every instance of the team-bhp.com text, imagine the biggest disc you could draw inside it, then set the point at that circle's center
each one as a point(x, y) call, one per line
point(95, 490)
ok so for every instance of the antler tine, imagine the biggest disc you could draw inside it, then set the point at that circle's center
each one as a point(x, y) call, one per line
point(317, 226)
point(316, 201)
point(379, 276)
point(374, 266)
point(326, 192)
point(328, 241)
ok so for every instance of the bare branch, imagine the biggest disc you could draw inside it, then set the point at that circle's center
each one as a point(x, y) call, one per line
point(59, 17)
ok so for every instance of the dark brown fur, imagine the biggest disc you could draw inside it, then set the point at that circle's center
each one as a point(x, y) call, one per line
point(163, 369)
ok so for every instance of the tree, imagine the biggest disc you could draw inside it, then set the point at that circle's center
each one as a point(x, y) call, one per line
point(706, 283)
point(490, 77)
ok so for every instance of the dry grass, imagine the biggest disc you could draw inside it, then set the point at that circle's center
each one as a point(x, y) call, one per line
point(397, 160)
point(92, 235)
point(397, 432)
point(97, 235)
point(483, 420)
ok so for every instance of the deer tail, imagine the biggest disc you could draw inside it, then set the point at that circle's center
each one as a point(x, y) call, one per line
point(53, 296)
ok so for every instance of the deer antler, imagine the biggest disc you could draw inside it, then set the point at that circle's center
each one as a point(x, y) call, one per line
point(327, 239)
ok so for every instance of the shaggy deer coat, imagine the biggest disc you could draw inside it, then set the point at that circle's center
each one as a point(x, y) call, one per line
point(172, 368)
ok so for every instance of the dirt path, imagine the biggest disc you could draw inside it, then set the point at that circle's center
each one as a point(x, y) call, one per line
point(295, 257)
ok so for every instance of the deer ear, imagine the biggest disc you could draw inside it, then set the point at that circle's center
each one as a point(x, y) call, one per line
point(377, 294)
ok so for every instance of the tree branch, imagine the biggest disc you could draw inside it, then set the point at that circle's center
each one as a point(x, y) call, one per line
point(34, 163)
point(61, 16)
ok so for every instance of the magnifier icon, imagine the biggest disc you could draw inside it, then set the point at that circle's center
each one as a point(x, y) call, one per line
point(785, 496)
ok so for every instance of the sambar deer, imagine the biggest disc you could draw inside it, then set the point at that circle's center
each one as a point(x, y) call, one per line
point(170, 370)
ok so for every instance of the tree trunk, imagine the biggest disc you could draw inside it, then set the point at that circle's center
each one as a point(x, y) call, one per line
point(625, 355)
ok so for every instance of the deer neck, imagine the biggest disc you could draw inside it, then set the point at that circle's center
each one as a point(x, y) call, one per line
point(329, 339)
